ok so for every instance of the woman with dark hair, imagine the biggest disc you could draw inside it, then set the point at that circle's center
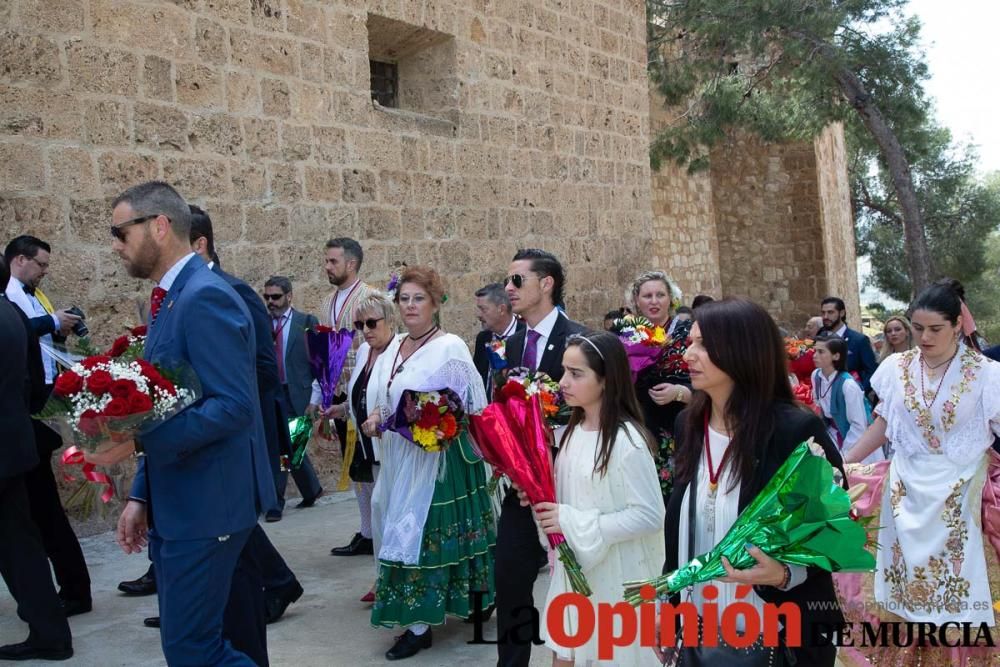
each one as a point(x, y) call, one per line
point(839, 396)
point(609, 503)
point(431, 514)
point(741, 425)
point(940, 407)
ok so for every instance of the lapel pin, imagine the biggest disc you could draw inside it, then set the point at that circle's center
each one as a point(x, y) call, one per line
point(170, 305)
point(552, 346)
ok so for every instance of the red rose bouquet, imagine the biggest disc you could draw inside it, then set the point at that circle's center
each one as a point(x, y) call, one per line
point(512, 436)
point(524, 383)
point(429, 419)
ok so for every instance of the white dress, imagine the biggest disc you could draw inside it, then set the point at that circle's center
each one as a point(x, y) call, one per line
point(614, 524)
point(857, 416)
point(931, 565)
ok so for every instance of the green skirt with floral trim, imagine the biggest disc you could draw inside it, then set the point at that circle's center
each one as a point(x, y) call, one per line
point(456, 553)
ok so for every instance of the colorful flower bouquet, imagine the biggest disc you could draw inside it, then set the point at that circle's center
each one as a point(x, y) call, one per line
point(429, 419)
point(524, 383)
point(644, 342)
point(796, 347)
point(511, 434)
point(801, 517)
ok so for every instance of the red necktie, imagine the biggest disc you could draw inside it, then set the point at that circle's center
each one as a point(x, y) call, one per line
point(279, 347)
point(155, 301)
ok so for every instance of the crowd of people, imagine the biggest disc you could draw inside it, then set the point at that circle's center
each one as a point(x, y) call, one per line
point(652, 468)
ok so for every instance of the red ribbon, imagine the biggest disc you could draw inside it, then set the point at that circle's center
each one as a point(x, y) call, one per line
point(74, 457)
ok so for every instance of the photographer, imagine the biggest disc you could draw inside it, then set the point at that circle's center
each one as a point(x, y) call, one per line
point(28, 259)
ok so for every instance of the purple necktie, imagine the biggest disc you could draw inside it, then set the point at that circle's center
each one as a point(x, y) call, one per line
point(530, 357)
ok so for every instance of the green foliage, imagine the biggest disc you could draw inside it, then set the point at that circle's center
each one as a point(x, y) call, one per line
point(983, 292)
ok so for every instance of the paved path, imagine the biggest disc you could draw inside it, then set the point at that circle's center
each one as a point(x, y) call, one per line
point(327, 626)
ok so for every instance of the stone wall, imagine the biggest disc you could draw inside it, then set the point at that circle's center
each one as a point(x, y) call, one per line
point(259, 110)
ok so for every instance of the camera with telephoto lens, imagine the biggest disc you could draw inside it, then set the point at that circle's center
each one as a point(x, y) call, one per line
point(80, 328)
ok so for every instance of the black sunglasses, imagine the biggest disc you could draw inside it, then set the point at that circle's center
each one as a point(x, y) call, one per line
point(517, 279)
point(273, 297)
point(116, 230)
point(370, 323)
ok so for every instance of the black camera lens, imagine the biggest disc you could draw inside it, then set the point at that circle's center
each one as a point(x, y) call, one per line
point(80, 328)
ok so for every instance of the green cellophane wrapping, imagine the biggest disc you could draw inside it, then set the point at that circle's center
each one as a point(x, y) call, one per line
point(801, 517)
point(456, 553)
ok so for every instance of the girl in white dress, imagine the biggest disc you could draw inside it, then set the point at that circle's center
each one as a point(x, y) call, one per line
point(940, 407)
point(609, 507)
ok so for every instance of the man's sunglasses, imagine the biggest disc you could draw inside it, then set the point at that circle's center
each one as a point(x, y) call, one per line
point(517, 279)
point(370, 323)
point(274, 297)
point(116, 230)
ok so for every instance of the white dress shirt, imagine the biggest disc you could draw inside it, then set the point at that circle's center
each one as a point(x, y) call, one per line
point(337, 307)
point(544, 328)
point(285, 322)
point(32, 308)
point(167, 281)
point(511, 328)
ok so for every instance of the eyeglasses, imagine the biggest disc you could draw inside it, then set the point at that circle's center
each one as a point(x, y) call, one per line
point(116, 230)
point(370, 323)
point(44, 266)
point(517, 279)
point(273, 297)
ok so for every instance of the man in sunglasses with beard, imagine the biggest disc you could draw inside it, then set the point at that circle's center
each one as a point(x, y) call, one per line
point(534, 285)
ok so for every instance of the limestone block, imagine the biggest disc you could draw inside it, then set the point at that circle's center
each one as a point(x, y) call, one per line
point(22, 166)
point(379, 223)
point(322, 184)
point(330, 144)
point(128, 24)
point(211, 41)
point(266, 224)
point(306, 20)
point(119, 170)
point(216, 133)
point(296, 142)
point(394, 187)
point(285, 182)
point(43, 217)
point(161, 127)
point(158, 79)
point(308, 225)
point(276, 98)
point(51, 15)
point(197, 177)
point(261, 137)
point(199, 86)
point(253, 51)
point(29, 58)
point(72, 171)
point(242, 93)
point(107, 123)
point(39, 113)
point(313, 63)
point(249, 183)
point(237, 11)
point(359, 185)
point(89, 219)
point(227, 223)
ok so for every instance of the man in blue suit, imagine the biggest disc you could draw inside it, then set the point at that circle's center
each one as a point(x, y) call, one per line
point(860, 354)
point(203, 477)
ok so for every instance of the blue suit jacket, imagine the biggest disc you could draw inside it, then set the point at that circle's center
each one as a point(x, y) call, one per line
point(205, 471)
point(860, 356)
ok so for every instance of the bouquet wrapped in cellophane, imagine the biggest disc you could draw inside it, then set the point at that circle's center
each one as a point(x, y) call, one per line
point(512, 436)
point(429, 419)
point(801, 517)
point(328, 349)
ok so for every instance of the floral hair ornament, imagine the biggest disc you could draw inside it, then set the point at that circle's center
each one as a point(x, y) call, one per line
point(390, 289)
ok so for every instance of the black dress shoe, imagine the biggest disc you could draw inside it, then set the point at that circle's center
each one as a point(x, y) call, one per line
point(360, 546)
point(272, 516)
point(144, 585)
point(75, 607)
point(277, 601)
point(151, 622)
point(309, 502)
point(26, 651)
point(408, 645)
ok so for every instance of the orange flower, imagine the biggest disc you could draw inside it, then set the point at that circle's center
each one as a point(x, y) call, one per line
point(448, 426)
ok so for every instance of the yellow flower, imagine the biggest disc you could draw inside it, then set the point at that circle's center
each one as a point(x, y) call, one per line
point(426, 438)
point(659, 335)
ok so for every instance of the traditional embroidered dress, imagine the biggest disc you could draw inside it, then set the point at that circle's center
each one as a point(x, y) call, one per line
point(614, 524)
point(431, 513)
point(931, 562)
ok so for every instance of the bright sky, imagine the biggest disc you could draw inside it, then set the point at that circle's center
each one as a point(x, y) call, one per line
point(961, 39)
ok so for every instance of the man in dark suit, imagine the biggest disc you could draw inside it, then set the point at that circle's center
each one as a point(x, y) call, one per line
point(202, 480)
point(23, 562)
point(498, 322)
point(860, 354)
point(288, 327)
point(534, 286)
point(28, 260)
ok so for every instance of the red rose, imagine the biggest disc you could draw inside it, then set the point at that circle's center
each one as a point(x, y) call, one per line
point(90, 423)
point(122, 388)
point(92, 362)
point(99, 382)
point(68, 384)
point(430, 416)
point(119, 347)
point(139, 403)
point(149, 370)
point(513, 389)
point(167, 386)
point(322, 328)
point(138, 331)
point(118, 407)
